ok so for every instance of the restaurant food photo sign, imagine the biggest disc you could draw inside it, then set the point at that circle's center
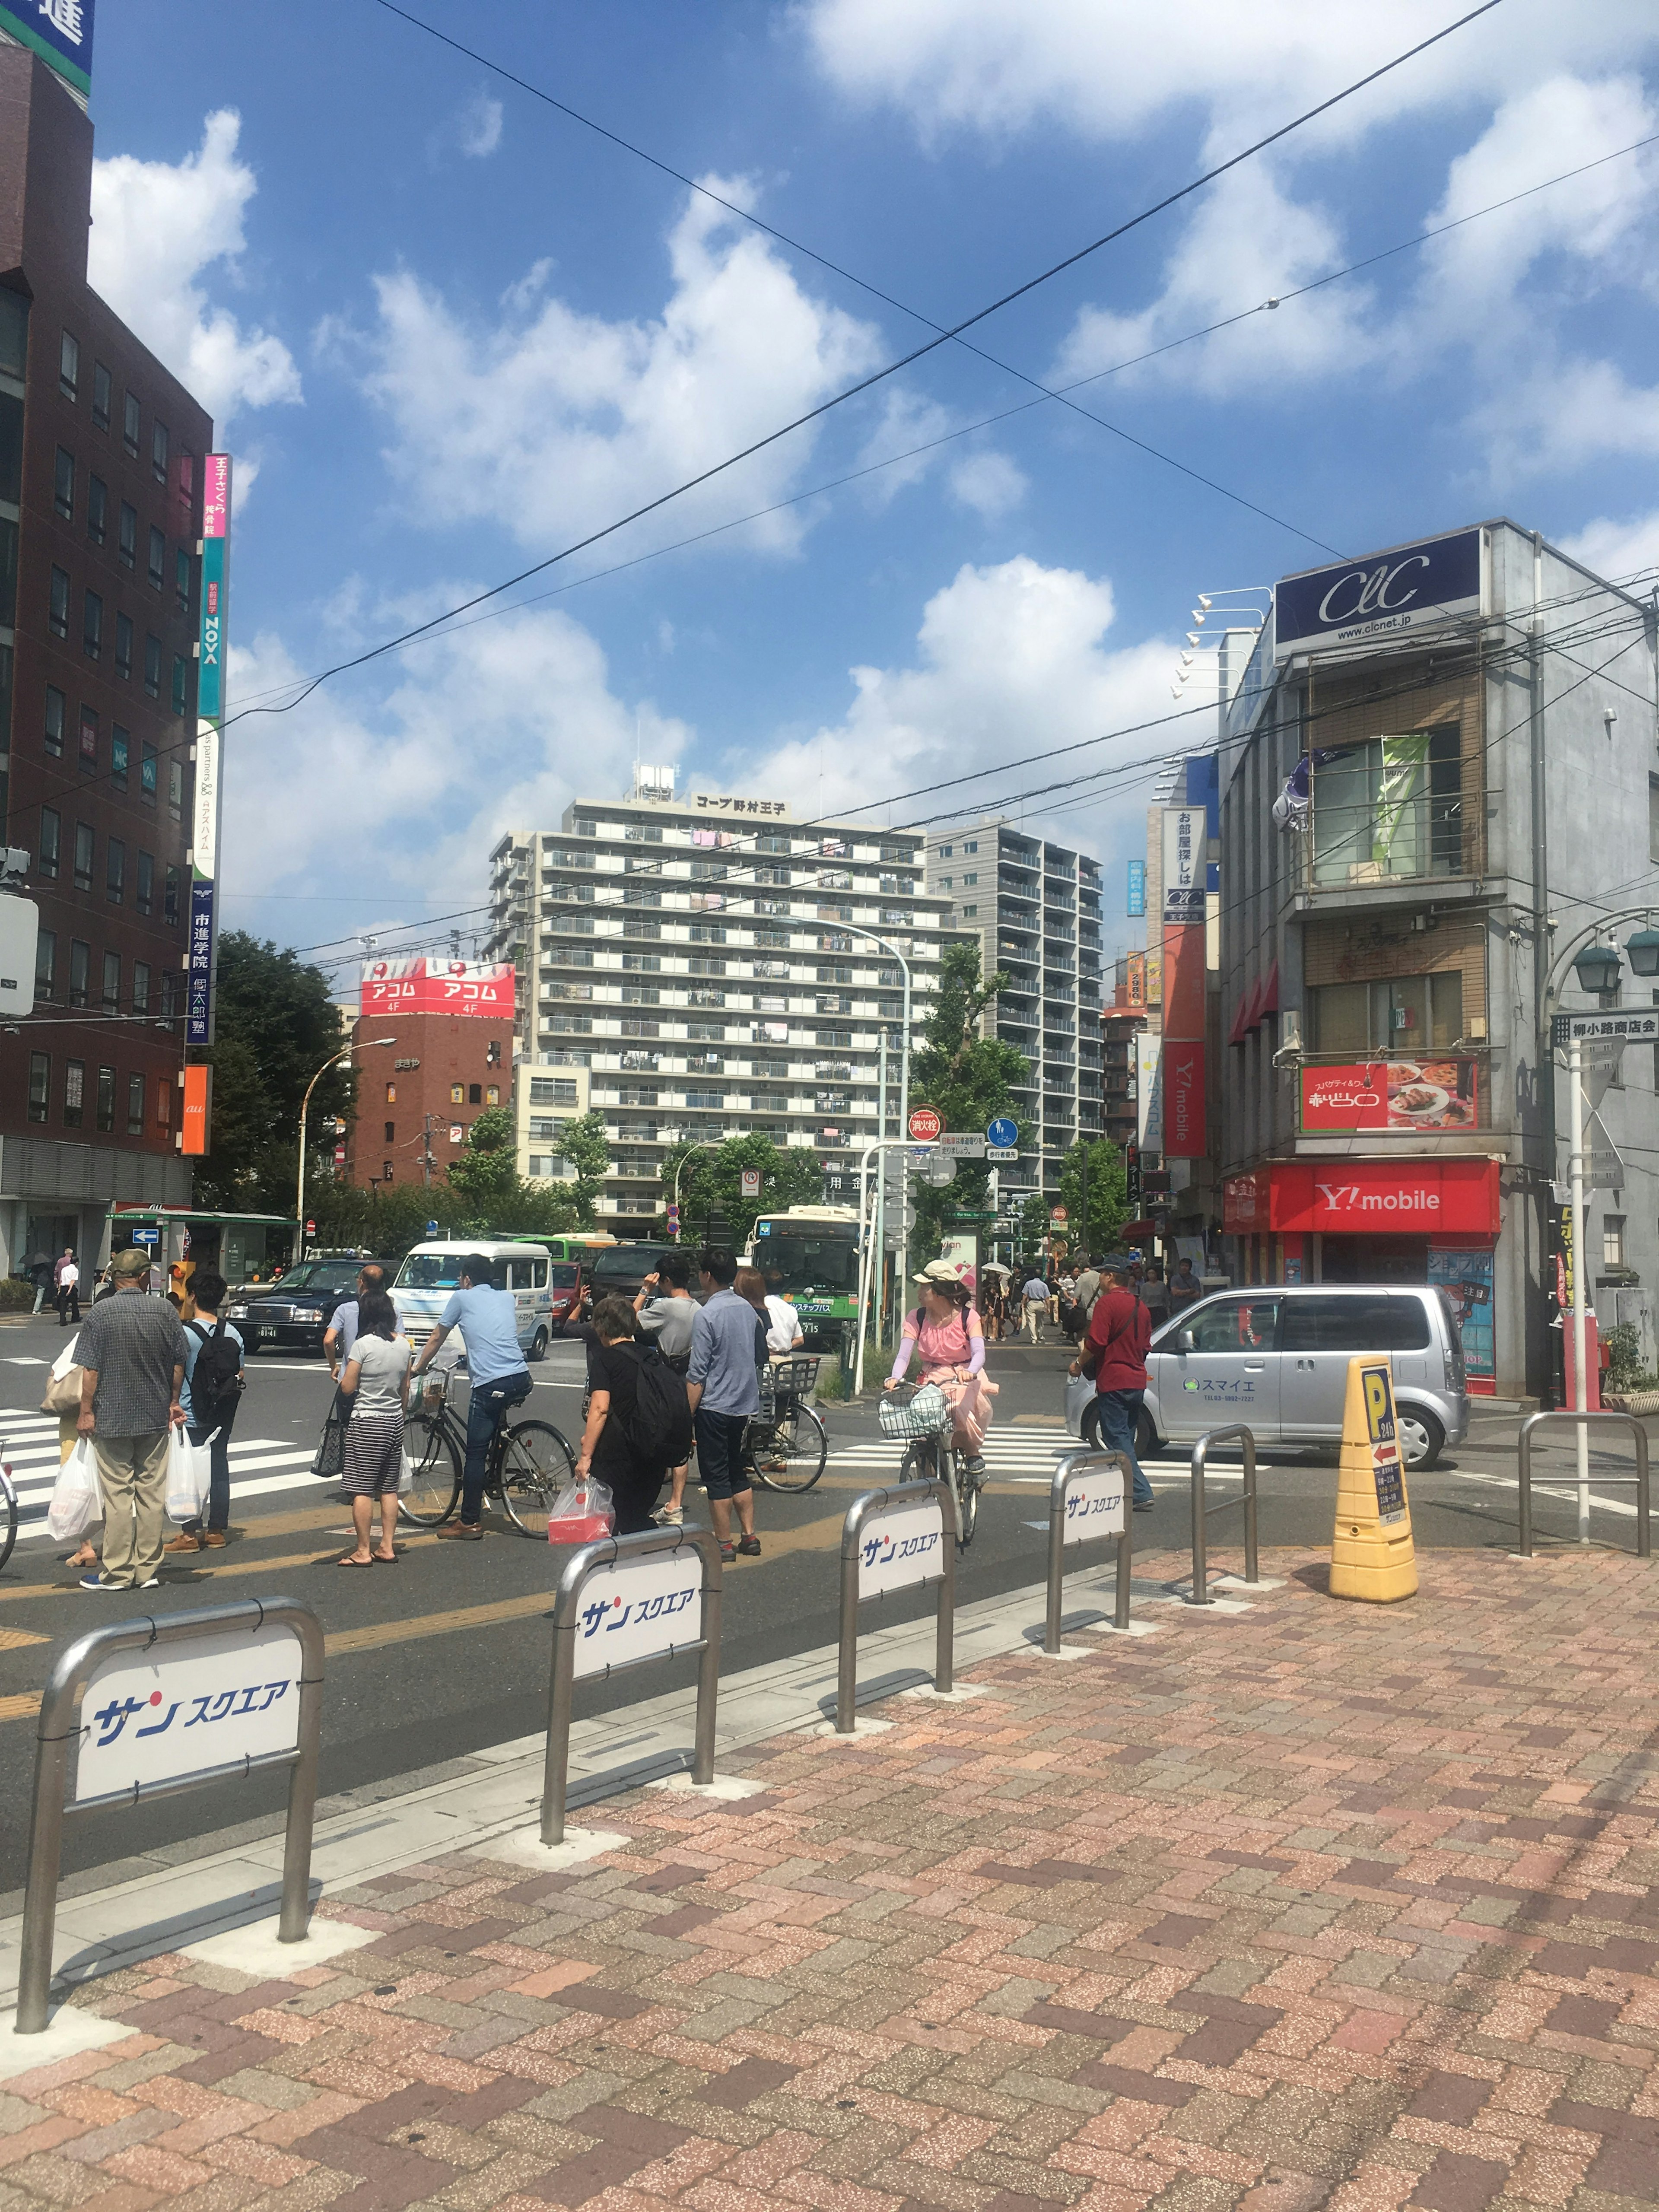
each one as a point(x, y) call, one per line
point(1390, 1094)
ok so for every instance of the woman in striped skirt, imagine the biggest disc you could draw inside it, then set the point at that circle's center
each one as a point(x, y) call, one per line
point(376, 1383)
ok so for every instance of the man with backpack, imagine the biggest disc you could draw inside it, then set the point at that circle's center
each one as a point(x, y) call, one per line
point(639, 1417)
point(1114, 1353)
point(216, 1375)
point(665, 1311)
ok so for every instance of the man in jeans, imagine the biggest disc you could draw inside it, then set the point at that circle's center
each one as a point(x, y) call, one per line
point(489, 1321)
point(723, 1384)
point(1120, 1330)
point(131, 1355)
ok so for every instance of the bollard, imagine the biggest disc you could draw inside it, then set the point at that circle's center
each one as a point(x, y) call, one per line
point(1638, 1481)
point(127, 1764)
point(1202, 1512)
point(640, 1603)
point(905, 1569)
point(1078, 1467)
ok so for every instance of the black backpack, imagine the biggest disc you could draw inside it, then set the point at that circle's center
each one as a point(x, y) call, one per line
point(216, 1385)
point(660, 1432)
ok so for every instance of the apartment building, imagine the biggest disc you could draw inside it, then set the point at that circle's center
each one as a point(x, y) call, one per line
point(707, 966)
point(1035, 908)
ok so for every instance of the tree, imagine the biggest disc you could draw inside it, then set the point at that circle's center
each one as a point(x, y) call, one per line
point(276, 1026)
point(968, 1079)
point(586, 1146)
point(711, 1182)
point(485, 1172)
point(1109, 1205)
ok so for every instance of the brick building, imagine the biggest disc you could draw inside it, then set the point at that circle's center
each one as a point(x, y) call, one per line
point(440, 1073)
point(101, 454)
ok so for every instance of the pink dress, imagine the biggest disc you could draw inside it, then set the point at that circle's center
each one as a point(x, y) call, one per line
point(946, 1349)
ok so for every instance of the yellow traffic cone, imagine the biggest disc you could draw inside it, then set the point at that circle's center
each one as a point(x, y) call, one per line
point(1372, 1555)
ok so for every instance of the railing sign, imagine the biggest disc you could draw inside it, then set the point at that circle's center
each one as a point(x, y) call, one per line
point(187, 1709)
point(641, 1609)
point(1094, 1505)
point(899, 1547)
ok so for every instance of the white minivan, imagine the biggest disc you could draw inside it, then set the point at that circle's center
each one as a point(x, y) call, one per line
point(431, 1274)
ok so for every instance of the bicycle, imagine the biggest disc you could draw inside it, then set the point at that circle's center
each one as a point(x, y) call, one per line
point(529, 1463)
point(786, 1445)
point(917, 1411)
point(9, 1507)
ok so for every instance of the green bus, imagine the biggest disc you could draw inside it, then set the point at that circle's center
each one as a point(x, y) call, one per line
point(585, 1244)
point(809, 1255)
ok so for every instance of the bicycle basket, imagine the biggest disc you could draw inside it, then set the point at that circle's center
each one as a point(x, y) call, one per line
point(782, 1380)
point(926, 1414)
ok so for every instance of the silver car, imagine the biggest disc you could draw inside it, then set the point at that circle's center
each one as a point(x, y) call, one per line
point(1276, 1358)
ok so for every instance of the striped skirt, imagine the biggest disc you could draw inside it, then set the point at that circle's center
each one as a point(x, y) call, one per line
point(373, 1455)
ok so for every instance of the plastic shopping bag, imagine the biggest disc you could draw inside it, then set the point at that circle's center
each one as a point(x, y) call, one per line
point(1079, 1390)
point(581, 1513)
point(406, 1475)
point(75, 1504)
point(187, 1477)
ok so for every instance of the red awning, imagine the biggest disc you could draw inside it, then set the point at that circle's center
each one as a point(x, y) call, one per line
point(1268, 1003)
point(1236, 1035)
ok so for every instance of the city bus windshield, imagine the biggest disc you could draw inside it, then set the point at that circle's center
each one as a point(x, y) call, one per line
point(795, 1265)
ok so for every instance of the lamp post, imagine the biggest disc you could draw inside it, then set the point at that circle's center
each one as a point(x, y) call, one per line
point(857, 929)
point(305, 1109)
point(701, 1145)
point(1596, 965)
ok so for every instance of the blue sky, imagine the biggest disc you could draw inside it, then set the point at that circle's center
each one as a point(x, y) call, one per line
point(446, 331)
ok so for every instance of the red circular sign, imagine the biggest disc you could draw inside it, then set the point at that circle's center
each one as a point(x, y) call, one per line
point(925, 1124)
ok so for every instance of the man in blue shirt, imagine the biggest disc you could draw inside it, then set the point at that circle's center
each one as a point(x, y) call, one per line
point(489, 1321)
point(728, 1343)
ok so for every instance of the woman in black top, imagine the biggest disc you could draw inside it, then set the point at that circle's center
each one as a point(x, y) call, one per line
point(613, 1374)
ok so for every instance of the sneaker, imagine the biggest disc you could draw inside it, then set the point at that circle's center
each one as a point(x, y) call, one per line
point(728, 1552)
point(1145, 1505)
point(976, 1469)
point(750, 1548)
point(155, 1582)
point(102, 1583)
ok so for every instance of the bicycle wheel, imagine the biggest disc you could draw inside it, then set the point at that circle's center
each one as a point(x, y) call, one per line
point(790, 1454)
point(919, 1464)
point(536, 1463)
point(966, 1488)
point(8, 1510)
point(437, 1487)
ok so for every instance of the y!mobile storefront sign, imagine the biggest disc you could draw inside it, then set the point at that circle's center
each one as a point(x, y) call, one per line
point(438, 986)
point(1431, 1198)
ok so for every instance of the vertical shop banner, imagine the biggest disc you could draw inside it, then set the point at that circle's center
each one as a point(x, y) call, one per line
point(1184, 1134)
point(1184, 869)
point(199, 973)
point(1149, 1091)
point(198, 1105)
point(1137, 888)
point(209, 719)
point(1185, 980)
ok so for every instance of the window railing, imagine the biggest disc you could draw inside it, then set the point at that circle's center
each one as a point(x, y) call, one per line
point(1393, 810)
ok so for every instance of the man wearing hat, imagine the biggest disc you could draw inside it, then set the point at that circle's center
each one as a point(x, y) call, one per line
point(131, 1353)
point(1120, 1330)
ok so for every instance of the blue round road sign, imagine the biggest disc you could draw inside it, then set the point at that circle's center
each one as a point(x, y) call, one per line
point(1002, 1133)
point(431, 1228)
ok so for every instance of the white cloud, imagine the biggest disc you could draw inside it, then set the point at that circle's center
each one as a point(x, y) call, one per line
point(551, 422)
point(1617, 546)
point(1010, 660)
point(989, 483)
point(474, 130)
point(156, 227)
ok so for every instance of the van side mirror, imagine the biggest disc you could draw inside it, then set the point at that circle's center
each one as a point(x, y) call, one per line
point(1185, 1341)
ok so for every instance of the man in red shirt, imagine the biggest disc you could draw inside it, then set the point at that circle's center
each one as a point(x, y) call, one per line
point(1120, 1330)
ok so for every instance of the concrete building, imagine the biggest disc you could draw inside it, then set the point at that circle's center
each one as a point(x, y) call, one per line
point(698, 962)
point(1035, 910)
point(1438, 772)
point(101, 471)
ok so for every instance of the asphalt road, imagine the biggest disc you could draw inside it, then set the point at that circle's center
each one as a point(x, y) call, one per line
point(447, 1651)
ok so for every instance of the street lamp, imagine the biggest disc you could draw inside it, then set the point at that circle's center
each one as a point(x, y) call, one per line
point(1642, 950)
point(701, 1145)
point(1597, 969)
point(368, 1045)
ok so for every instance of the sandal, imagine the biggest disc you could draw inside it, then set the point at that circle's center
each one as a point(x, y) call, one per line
point(347, 1560)
point(383, 1558)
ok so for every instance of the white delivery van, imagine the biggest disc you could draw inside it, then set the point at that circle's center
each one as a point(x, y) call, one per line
point(431, 1274)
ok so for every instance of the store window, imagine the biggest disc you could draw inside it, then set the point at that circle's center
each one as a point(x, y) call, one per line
point(1390, 808)
point(1412, 1014)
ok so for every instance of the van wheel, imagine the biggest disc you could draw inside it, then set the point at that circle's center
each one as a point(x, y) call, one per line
point(538, 1345)
point(1146, 1437)
point(1422, 1440)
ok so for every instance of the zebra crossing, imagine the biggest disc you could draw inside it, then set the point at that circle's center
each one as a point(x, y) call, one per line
point(1020, 1458)
point(28, 1448)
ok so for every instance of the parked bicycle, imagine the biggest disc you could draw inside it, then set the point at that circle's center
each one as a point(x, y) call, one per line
point(8, 1515)
point(786, 1444)
point(528, 1464)
point(917, 1412)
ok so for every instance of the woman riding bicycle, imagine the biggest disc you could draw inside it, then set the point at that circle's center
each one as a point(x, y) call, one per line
point(946, 1330)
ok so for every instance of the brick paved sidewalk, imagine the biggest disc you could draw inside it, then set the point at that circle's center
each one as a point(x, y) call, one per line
point(1317, 1904)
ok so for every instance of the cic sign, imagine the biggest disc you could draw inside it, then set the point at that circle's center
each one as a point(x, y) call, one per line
point(1385, 597)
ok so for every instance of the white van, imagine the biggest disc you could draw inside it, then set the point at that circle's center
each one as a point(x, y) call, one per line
point(431, 1273)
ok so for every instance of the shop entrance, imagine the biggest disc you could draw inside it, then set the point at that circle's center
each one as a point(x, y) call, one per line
point(1374, 1259)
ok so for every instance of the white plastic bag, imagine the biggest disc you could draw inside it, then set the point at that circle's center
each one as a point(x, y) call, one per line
point(581, 1513)
point(75, 1503)
point(1079, 1390)
point(188, 1469)
point(406, 1476)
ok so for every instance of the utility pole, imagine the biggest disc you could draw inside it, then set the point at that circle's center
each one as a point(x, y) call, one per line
point(426, 1157)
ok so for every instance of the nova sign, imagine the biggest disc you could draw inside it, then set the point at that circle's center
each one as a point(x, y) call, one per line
point(1383, 597)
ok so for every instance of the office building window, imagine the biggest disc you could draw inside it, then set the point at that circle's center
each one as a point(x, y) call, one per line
point(147, 783)
point(181, 569)
point(153, 666)
point(92, 625)
point(158, 558)
point(83, 856)
point(163, 1104)
point(180, 682)
point(97, 509)
point(1418, 1013)
point(145, 886)
point(126, 538)
point(1613, 1240)
point(1390, 807)
point(57, 604)
point(112, 998)
point(475, 1094)
point(944, 852)
point(88, 745)
point(45, 963)
point(68, 368)
point(140, 987)
point(40, 1084)
point(457, 1094)
point(969, 913)
point(101, 394)
point(135, 1105)
point(57, 714)
point(120, 744)
point(115, 872)
point(158, 452)
point(170, 897)
point(52, 831)
point(107, 1098)
point(176, 789)
point(973, 877)
point(130, 425)
point(391, 1132)
point(186, 475)
point(63, 484)
point(972, 846)
point(124, 646)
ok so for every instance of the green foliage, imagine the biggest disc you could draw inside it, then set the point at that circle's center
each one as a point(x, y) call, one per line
point(1109, 1205)
point(968, 1079)
point(1624, 1346)
point(484, 1173)
point(711, 1184)
point(276, 1028)
point(586, 1146)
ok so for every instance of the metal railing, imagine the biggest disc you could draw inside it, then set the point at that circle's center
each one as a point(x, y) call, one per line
point(199, 1679)
point(1204, 1513)
point(646, 1606)
point(1070, 1509)
point(919, 1556)
point(1638, 1481)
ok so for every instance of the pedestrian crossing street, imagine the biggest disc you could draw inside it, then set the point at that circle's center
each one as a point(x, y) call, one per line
point(28, 1447)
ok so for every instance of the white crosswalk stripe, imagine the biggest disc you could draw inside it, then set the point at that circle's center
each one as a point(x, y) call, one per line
point(259, 1465)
